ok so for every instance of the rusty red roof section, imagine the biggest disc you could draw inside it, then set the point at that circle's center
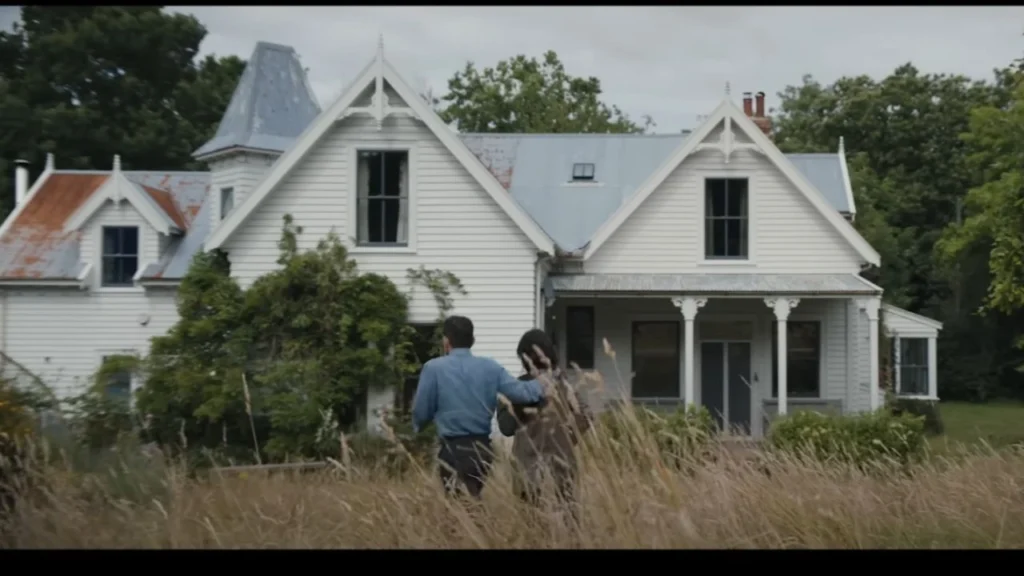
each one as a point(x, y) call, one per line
point(36, 246)
point(166, 203)
point(37, 235)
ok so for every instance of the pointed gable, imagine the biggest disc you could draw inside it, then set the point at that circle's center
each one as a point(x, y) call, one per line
point(272, 104)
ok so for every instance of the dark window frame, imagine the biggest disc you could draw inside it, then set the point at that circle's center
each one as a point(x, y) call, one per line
point(580, 347)
point(727, 221)
point(119, 265)
point(677, 356)
point(583, 172)
point(799, 391)
point(365, 201)
point(226, 192)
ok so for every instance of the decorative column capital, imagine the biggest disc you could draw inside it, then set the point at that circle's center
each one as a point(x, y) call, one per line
point(781, 305)
point(689, 305)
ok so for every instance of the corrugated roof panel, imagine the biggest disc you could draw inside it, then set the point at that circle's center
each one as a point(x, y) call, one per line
point(272, 104)
point(824, 172)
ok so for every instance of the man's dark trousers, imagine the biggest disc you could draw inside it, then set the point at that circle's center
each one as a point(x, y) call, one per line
point(465, 460)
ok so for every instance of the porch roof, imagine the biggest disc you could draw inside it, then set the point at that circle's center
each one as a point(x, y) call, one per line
point(722, 284)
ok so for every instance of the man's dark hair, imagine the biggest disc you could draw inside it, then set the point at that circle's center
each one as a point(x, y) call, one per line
point(459, 331)
point(528, 345)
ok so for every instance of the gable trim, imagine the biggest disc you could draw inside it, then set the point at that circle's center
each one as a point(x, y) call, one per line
point(728, 110)
point(846, 178)
point(377, 72)
point(117, 188)
point(912, 317)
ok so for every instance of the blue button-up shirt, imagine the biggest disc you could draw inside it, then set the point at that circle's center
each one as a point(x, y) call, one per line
point(459, 392)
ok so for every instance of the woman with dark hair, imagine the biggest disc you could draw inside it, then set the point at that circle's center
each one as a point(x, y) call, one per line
point(546, 432)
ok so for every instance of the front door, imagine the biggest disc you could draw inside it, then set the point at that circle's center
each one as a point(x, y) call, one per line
point(725, 384)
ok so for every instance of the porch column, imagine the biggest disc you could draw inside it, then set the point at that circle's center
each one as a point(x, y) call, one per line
point(689, 306)
point(871, 307)
point(782, 307)
point(897, 361)
point(933, 368)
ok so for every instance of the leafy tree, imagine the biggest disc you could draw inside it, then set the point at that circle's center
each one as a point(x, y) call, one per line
point(285, 360)
point(523, 95)
point(910, 170)
point(995, 208)
point(88, 82)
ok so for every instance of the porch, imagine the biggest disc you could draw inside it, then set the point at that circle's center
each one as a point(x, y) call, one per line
point(723, 341)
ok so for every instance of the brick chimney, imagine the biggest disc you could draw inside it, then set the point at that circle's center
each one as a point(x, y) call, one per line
point(748, 105)
point(759, 118)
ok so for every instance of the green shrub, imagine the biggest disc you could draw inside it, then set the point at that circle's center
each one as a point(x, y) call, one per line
point(678, 434)
point(858, 438)
point(929, 409)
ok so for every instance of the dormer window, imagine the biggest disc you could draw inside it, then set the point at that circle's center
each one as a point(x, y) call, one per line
point(582, 172)
point(120, 255)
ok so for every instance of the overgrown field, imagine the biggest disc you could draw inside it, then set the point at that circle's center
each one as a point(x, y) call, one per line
point(645, 483)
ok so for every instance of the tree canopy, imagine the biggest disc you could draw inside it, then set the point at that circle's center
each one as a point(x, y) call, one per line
point(910, 168)
point(522, 95)
point(88, 82)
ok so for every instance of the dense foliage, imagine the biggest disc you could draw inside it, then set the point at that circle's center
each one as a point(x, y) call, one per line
point(87, 82)
point(859, 438)
point(282, 368)
point(917, 143)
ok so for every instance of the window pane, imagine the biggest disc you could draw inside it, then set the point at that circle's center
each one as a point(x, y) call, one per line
point(914, 351)
point(714, 198)
point(129, 265)
point(579, 336)
point(719, 235)
point(111, 241)
point(734, 244)
point(129, 241)
point(803, 359)
point(736, 204)
point(655, 360)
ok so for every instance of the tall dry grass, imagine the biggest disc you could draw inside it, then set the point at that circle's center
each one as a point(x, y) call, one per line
point(628, 499)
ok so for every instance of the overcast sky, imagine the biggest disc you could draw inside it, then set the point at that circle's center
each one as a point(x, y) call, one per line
point(671, 62)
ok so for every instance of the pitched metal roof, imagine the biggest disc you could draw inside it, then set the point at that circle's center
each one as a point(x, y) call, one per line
point(536, 169)
point(272, 104)
point(36, 246)
point(749, 284)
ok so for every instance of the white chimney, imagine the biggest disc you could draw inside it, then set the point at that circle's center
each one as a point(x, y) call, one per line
point(20, 181)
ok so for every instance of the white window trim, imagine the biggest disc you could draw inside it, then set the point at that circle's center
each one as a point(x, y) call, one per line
point(898, 367)
point(353, 195)
point(702, 259)
point(139, 267)
point(823, 326)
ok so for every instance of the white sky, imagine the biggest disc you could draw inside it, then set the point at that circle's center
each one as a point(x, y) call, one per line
point(671, 62)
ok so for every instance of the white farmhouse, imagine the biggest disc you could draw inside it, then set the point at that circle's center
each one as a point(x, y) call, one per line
point(721, 271)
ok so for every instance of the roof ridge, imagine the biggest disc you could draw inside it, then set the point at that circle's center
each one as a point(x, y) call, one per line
point(570, 135)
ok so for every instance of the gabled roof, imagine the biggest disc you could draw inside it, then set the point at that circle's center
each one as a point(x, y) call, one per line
point(378, 73)
point(731, 116)
point(155, 206)
point(272, 104)
point(922, 321)
point(536, 169)
point(35, 244)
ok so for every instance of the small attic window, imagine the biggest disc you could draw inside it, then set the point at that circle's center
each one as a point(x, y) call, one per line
point(582, 172)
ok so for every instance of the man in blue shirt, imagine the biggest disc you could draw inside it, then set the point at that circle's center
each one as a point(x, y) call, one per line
point(459, 393)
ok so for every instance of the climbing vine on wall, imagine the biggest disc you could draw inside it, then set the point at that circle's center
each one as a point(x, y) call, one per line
point(443, 286)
